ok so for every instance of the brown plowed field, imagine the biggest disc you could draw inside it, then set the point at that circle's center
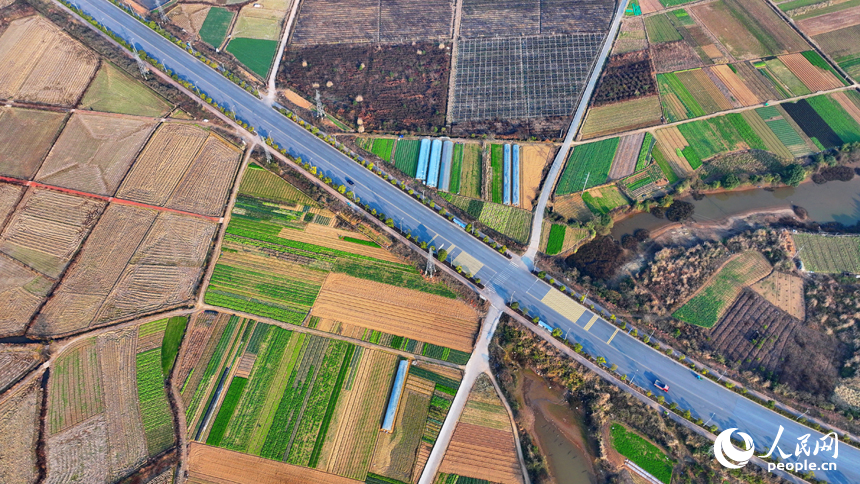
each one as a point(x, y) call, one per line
point(175, 240)
point(205, 186)
point(17, 304)
point(830, 21)
point(198, 346)
point(15, 361)
point(482, 453)
point(403, 312)
point(211, 465)
point(19, 424)
point(9, 197)
point(572, 206)
point(189, 17)
point(625, 156)
point(330, 237)
point(47, 228)
point(94, 152)
point(39, 128)
point(533, 159)
point(649, 6)
point(41, 64)
point(739, 90)
point(162, 163)
point(421, 460)
point(79, 453)
point(783, 291)
point(816, 79)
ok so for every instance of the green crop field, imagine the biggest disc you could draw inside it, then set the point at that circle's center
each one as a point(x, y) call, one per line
point(643, 453)
point(660, 29)
point(720, 134)
point(406, 156)
point(672, 3)
point(260, 183)
point(154, 410)
point(225, 413)
point(113, 91)
point(661, 161)
point(214, 28)
point(786, 78)
point(471, 175)
point(705, 308)
point(604, 200)
point(211, 367)
point(170, 344)
point(836, 117)
point(255, 54)
point(669, 84)
point(587, 166)
point(496, 172)
point(683, 17)
point(382, 147)
point(511, 221)
point(833, 255)
point(456, 168)
point(644, 152)
point(556, 239)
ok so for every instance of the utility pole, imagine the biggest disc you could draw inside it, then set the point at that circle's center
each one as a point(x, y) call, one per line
point(801, 415)
point(320, 107)
point(141, 66)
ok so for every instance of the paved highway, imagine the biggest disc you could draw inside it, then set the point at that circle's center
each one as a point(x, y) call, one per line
point(505, 278)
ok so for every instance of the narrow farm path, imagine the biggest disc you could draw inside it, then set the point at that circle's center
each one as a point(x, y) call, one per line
point(578, 117)
point(478, 363)
point(272, 91)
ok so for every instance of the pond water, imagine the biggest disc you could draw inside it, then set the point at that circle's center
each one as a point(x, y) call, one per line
point(834, 201)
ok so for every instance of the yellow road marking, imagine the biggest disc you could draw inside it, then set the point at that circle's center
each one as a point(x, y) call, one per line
point(590, 323)
point(563, 304)
point(613, 335)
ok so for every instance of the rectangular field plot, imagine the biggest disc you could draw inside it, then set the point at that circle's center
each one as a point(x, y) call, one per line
point(39, 128)
point(94, 152)
point(255, 54)
point(622, 116)
point(588, 166)
point(214, 28)
point(259, 23)
point(22, 292)
point(707, 306)
point(406, 156)
point(113, 91)
point(604, 200)
point(41, 64)
point(107, 394)
point(510, 221)
point(828, 254)
point(260, 183)
point(514, 78)
point(494, 18)
point(406, 20)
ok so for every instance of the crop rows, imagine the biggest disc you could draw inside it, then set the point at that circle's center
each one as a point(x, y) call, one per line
point(382, 147)
point(587, 166)
point(154, 409)
point(456, 168)
point(829, 254)
point(556, 239)
point(845, 127)
point(406, 156)
point(497, 174)
point(211, 367)
point(645, 454)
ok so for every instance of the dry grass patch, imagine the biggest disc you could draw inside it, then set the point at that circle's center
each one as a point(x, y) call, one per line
point(623, 116)
point(41, 64)
point(19, 424)
point(9, 197)
point(15, 361)
point(162, 163)
point(742, 94)
point(205, 186)
point(94, 152)
point(831, 21)
point(211, 465)
point(79, 453)
point(39, 128)
point(403, 312)
point(572, 206)
point(22, 291)
point(783, 291)
point(483, 445)
point(533, 159)
point(75, 390)
point(47, 228)
point(189, 16)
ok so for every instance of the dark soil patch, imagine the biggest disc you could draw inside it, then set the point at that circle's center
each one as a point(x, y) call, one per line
point(811, 123)
point(626, 76)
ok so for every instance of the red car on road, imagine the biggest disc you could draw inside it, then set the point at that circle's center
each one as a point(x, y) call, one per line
point(661, 385)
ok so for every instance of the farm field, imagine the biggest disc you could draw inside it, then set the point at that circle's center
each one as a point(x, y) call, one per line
point(572, 207)
point(19, 424)
point(275, 258)
point(16, 360)
point(55, 69)
point(190, 17)
point(626, 156)
point(129, 250)
point(533, 160)
point(784, 291)
point(255, 54)
point(215, 26)
point(406, 156)
point(784, 131)
point(623, 116)
point(471, 172)
point(559, 238)
point(113, 91)
point(631, 36)
point(262, 23)
point(94, 152)
point(47, 228)
point(708, 304)
point(669, 153)
point(824, 121)
point(625, 77)
point(839, 45)
point(604, 200)
point(721, 134)
point(23, 291)
point(304, 399)
point(587, 166)
point(496, 174)
point(555, 239)
point(645, 454)
point(260, 183)
point(510, 221)
point(483, 442)
point(108, 392)
point(827, 254)
point(678, 102)
point(39, 128)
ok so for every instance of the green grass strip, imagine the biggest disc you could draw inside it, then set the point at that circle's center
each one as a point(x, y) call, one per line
point(170, 343)
point(368, 243)
point(645, 454)
point(214, 28)
point(456, 168)
point(332, 404)
point(496, 161)
point(225, 413)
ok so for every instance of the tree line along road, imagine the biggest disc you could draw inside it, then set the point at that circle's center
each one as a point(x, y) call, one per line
point(502, 277)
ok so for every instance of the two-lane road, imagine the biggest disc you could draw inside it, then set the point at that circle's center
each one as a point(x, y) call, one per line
point(505, 278)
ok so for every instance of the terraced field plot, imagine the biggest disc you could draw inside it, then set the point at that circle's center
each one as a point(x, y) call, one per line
point(707, 306)
point(829, 254)
point(42, 64)
point(483, 442)
point(108, 392)
point(304, 401)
